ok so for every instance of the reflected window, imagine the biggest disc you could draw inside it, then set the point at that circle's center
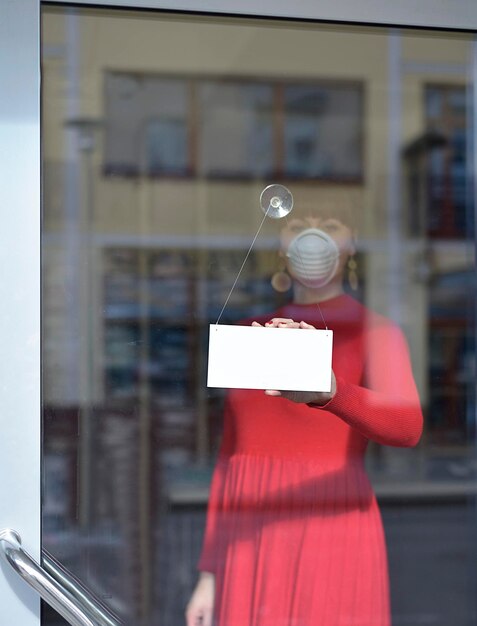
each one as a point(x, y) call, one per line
point(166, 146)
point(451, 411)
point(449, 213)
point(236, 129)
point(146, 125)
point(323, 132)
point(233, 129)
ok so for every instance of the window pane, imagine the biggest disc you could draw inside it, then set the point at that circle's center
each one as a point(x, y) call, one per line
point(450, 207)
point(236, 130)
point(146, 125)
point(155, 156)
point(323, 132)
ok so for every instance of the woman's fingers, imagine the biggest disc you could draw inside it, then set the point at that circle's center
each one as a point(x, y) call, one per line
point(191, 617)
point(199, 616)
point(207, 618)
point(285, 322)
point(201, 605)
point(279, 321)
point(282, 323)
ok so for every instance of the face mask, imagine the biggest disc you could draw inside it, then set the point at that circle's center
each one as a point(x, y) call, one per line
point(313, 258)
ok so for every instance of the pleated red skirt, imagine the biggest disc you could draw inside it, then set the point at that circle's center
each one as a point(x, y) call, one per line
point(300, 544)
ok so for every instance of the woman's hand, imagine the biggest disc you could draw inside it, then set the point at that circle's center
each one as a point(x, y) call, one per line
point(201, 605)
point(302, 397)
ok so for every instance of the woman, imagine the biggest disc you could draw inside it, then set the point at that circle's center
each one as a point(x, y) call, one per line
point(294, 535)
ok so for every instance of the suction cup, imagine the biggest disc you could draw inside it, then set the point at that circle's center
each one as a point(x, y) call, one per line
point(276, 201)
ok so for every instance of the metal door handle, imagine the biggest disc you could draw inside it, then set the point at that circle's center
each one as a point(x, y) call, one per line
point(101, 614)
point(61, 591)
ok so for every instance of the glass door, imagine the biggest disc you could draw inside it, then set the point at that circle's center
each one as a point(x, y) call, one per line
point(160, 130)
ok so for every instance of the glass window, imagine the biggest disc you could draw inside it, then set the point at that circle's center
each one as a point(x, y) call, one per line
point(323, 138)
point(155, 156)
point(449, 209)
point(163, 126)
point(146, 125)
point(236, 129)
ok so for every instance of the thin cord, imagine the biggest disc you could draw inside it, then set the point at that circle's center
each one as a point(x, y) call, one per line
point(304, 268)
point(243, 265)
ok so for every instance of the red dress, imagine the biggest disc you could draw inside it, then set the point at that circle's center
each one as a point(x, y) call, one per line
point(294, 534)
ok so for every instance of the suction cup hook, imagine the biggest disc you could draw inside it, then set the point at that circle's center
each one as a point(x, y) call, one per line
point(276, 201)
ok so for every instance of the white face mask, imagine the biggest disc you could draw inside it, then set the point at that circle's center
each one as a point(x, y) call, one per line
point(313, 258)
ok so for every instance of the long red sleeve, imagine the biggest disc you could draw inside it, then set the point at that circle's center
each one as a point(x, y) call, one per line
point(386, 408)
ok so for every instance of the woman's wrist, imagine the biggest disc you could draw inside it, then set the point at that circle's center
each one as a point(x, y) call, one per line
point(320, 400)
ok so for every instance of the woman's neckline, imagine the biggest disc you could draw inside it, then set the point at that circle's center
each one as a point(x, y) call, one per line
point(316, 303)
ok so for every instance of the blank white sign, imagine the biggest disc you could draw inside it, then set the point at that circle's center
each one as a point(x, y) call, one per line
point(254, 357)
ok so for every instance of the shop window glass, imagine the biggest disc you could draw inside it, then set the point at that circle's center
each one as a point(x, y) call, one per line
point(449, 212)
point(161, 126)
point(323, 132)
point(236, 130)
point(146, 125)
point(149, 210)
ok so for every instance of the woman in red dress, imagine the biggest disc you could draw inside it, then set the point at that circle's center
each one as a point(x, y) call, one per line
point(294, 534)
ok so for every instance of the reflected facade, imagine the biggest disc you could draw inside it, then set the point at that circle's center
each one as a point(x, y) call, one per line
point(154, 158)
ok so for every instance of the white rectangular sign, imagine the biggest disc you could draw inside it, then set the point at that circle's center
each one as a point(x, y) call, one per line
point(253, 357)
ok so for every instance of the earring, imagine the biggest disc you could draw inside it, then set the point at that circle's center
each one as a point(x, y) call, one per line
point(281, 280)
point(352, 275)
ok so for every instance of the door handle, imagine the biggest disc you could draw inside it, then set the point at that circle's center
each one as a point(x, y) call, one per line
point(102, 616)
point(54, 584)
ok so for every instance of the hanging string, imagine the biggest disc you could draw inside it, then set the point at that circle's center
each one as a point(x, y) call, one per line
point(245, 260)
point(243, 264)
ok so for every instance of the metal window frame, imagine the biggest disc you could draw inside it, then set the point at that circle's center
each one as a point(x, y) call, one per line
point(458, 14)
point(20, 385)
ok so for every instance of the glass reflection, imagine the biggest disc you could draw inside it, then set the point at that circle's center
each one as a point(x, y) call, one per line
point(155, 155)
